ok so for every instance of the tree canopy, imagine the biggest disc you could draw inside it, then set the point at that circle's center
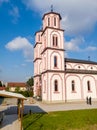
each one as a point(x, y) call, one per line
point(0, 84)
point(30, 82)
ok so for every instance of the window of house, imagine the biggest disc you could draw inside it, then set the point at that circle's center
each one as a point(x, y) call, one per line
point(54, 21)
point(48, 21)
point(91, 68)
point(55, 61)
point(65, 66)
point(88, 86)
point(55, 85)
point(79, 67)
point(55, 40)
point(73, 85)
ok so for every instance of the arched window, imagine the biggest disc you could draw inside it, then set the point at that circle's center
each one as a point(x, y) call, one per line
point(54, 21)
point(55, 85)
point(48, 21)
point(55, 61)
point(73, 85)
point(55, 40)
point(88, 86)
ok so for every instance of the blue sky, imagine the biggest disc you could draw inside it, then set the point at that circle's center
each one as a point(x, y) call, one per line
point(20, 19)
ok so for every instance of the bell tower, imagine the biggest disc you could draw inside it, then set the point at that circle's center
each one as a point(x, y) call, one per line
point(52, 59)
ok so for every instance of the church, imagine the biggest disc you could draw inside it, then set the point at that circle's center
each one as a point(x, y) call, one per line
point(58, 79)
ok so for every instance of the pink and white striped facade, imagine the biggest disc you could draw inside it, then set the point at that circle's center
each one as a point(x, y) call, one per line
point(57, 79)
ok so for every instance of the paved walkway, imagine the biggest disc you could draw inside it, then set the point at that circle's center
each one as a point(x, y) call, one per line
point(65, 106)
point(10, 122)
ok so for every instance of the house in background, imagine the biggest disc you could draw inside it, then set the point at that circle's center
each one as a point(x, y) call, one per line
point(2, 88)
point(16, 85)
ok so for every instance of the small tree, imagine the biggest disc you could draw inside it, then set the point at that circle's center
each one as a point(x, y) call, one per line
point(17, 89)
point(3, 85)
point(0, 84)
point(7, 88)
point(30, 83)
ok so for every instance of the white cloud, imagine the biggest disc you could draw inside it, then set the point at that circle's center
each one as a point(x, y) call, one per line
point(65, 54)
point(23, 64)
point(91, 48)
point(79, 16)
point(73, 44)
point(21, 43)
point(14, 12)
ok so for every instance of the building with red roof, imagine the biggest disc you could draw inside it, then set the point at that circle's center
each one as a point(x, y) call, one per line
point(13, 85)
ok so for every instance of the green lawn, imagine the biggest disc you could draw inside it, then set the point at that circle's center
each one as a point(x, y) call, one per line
point(62, 120)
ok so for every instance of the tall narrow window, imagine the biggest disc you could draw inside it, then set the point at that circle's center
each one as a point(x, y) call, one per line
point(55, 40)
point(73, 85)
point(54, 21)
point(55, 61)
point(55, 85)
point(48, 21)
point(88, 86)
point(38, 37)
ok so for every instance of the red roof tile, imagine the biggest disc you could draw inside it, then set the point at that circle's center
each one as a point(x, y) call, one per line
point(16, 84)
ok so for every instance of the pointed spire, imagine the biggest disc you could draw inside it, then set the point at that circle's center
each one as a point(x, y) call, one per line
point(89, 58)
point(51, 8)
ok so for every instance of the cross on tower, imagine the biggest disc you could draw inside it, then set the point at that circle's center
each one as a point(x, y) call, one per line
point(89, 58)
point(51, 8)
